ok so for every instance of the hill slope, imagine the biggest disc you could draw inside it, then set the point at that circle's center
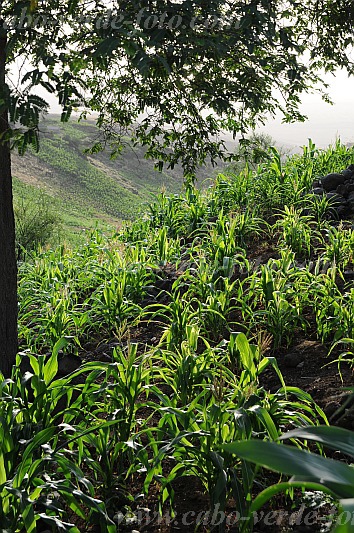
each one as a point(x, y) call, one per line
point(88, 189)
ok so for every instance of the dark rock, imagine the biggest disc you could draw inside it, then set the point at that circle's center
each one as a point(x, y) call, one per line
point(104, 358)
point(68, 363)
point(318, 190)
point(342, 210)
point(331, 181)
point(331, 408)
point(348, 172)
point(348, 275)
point(336, 199)
point(293, 359)
point(104, 347)
point(90, 346)
point(342, 190)
point(351, 206)
point(350, 187)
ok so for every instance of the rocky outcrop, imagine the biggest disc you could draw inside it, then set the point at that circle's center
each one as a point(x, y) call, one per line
point(339, 189)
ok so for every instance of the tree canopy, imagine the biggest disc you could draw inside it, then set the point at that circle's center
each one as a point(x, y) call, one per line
point(173, 75)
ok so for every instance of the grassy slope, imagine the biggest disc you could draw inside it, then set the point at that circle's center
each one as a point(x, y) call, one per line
point(88, 189)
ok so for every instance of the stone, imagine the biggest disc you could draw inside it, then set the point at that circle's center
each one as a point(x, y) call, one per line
point(348, 275)
point(331, 181)
point(338, 187)
point(342, 210)
point(348, 172)
point(104, 358)
point(350, 187)
point(318, 190)
point(293, 359)
point(336, 199)
point(342, 190)
point(331, 408)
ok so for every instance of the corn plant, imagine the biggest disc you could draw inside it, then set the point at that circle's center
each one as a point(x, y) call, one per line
point(325, 297)
point(196, 210)
point(177, 316)
point(308, 471)
point(339, 246)
point(214, 314)
point(231, 233)
point(229, 192)
point(230, 407)
point(109, 450)
point(38, 478)
point(320, 207)
point(169, 212)
point(163, 248)
point(249, 360)
point(296, 231)
point(111, 304)
point(186, 371)
point(280, 286)
point(343, 316)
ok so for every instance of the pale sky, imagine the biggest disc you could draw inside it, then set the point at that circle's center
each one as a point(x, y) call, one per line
point(325, 122)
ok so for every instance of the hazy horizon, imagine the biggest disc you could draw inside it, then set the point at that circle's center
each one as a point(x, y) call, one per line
point(325, 122)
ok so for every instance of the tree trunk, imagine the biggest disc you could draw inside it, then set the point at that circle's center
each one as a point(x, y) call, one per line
point(8, 264)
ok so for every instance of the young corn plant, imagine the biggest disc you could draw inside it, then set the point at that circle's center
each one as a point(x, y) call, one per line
point(39, 480)
point(231, 192)
point(214, 313)
point(320, 208)
point(165, 249)
point(122, 391)
point(177, 316)
point(343, 316)
point(308, 470)
point(231, 233)
point(226, 408)
point(296, 231)
point(281, 287)
point(185, 371)
point(110, 304)
point(196, 208)
point(280, 318)
point(325, 301)
point(169, 212)
point(339, 246)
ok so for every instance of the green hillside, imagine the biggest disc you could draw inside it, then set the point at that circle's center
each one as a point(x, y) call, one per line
point(87, 190)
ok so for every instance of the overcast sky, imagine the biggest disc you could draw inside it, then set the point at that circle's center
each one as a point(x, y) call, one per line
point(325, 122)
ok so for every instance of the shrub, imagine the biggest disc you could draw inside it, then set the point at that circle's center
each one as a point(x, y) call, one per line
point(35, 224)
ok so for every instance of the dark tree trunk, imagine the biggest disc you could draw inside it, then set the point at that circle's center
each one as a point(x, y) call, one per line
point(8, 265)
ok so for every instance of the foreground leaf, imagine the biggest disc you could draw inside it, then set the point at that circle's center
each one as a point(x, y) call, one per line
point(299, 463)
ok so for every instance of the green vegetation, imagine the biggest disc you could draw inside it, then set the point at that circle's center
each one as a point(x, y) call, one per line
point(308, 470)
point(191, 327)
point(35, 225)
point(87, 191)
